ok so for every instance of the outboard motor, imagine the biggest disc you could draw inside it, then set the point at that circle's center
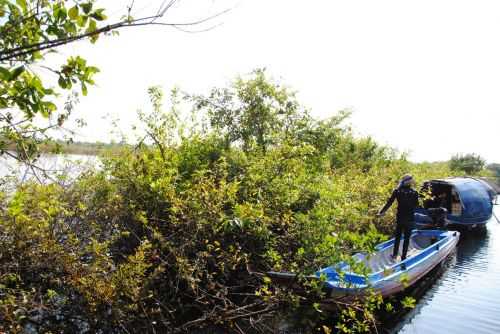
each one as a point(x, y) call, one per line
point(432, 218)
point(438, 216)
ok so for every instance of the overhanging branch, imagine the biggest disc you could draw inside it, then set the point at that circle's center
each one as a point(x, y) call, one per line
point(17, 53)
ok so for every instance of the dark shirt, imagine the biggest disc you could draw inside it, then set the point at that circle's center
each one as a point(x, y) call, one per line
point(407, 202)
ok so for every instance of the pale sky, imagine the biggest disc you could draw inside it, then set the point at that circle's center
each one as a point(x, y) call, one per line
point(421, 76)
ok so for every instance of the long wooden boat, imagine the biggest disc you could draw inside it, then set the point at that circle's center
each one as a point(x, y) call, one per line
point(428, 248)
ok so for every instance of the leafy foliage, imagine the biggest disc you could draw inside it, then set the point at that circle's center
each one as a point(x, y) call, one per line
point(30, 33)
point(177, 233)
point(30, 30)
point(470, 163)
point(253, 112)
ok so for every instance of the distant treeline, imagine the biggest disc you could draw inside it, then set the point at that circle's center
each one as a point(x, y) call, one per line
point(75, 147)
point(495, 169)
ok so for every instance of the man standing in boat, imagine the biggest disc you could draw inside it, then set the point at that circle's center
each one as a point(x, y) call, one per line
point(407, 199)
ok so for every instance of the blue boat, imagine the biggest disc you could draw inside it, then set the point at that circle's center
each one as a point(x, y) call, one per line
point(468, 202)
point(428, 248)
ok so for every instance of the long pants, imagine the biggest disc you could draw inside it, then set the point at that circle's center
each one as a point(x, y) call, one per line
point(402, 228)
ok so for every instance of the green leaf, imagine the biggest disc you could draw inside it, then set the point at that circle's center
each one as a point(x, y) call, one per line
point(37, 55)
point(91, 70)
point(22, 4)
point(49, 107)
point(389, 307)
point(73, 13)
point(70, 27)
point(62, 83)
point(99, 15)
point(82, 20)
point(34, 107)
point(92, 25)
point(51, 294)
point(16, 73)
point(61, 13)
point(84, 89)
point(87, 7)
point(317, 307)
point(80, 61)
point(37, 84)
point(408, 302)
point(4, 74)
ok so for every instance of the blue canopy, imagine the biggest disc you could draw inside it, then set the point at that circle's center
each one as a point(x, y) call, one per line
point(476, 200)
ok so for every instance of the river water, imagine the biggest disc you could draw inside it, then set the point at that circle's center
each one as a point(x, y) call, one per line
point(466, 297)
point(48, 165)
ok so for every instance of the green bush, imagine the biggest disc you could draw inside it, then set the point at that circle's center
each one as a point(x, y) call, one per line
point(469, 164)
point(177, 233)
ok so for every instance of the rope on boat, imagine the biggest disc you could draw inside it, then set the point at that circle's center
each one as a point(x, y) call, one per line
point(494, 215)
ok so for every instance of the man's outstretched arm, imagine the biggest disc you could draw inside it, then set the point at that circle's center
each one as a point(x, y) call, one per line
point(388, 204)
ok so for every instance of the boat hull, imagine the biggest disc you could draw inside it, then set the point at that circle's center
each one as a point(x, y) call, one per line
point(397, 276)
point(415, 273)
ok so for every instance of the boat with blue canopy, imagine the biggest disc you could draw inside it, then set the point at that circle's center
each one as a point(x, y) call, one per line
point(468, 202)
point(385, 275)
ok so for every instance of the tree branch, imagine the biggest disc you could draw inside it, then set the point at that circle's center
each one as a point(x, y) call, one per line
point(21, 51)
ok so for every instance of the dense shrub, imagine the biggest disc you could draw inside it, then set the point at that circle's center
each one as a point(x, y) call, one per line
point(175, 234)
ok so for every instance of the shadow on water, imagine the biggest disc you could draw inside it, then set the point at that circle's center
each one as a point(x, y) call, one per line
point(392, 322)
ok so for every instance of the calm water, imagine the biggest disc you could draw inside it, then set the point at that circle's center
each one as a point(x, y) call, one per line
point(466, 298)
point(53, 165)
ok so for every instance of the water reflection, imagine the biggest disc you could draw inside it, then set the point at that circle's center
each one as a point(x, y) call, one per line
point(466, 298)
